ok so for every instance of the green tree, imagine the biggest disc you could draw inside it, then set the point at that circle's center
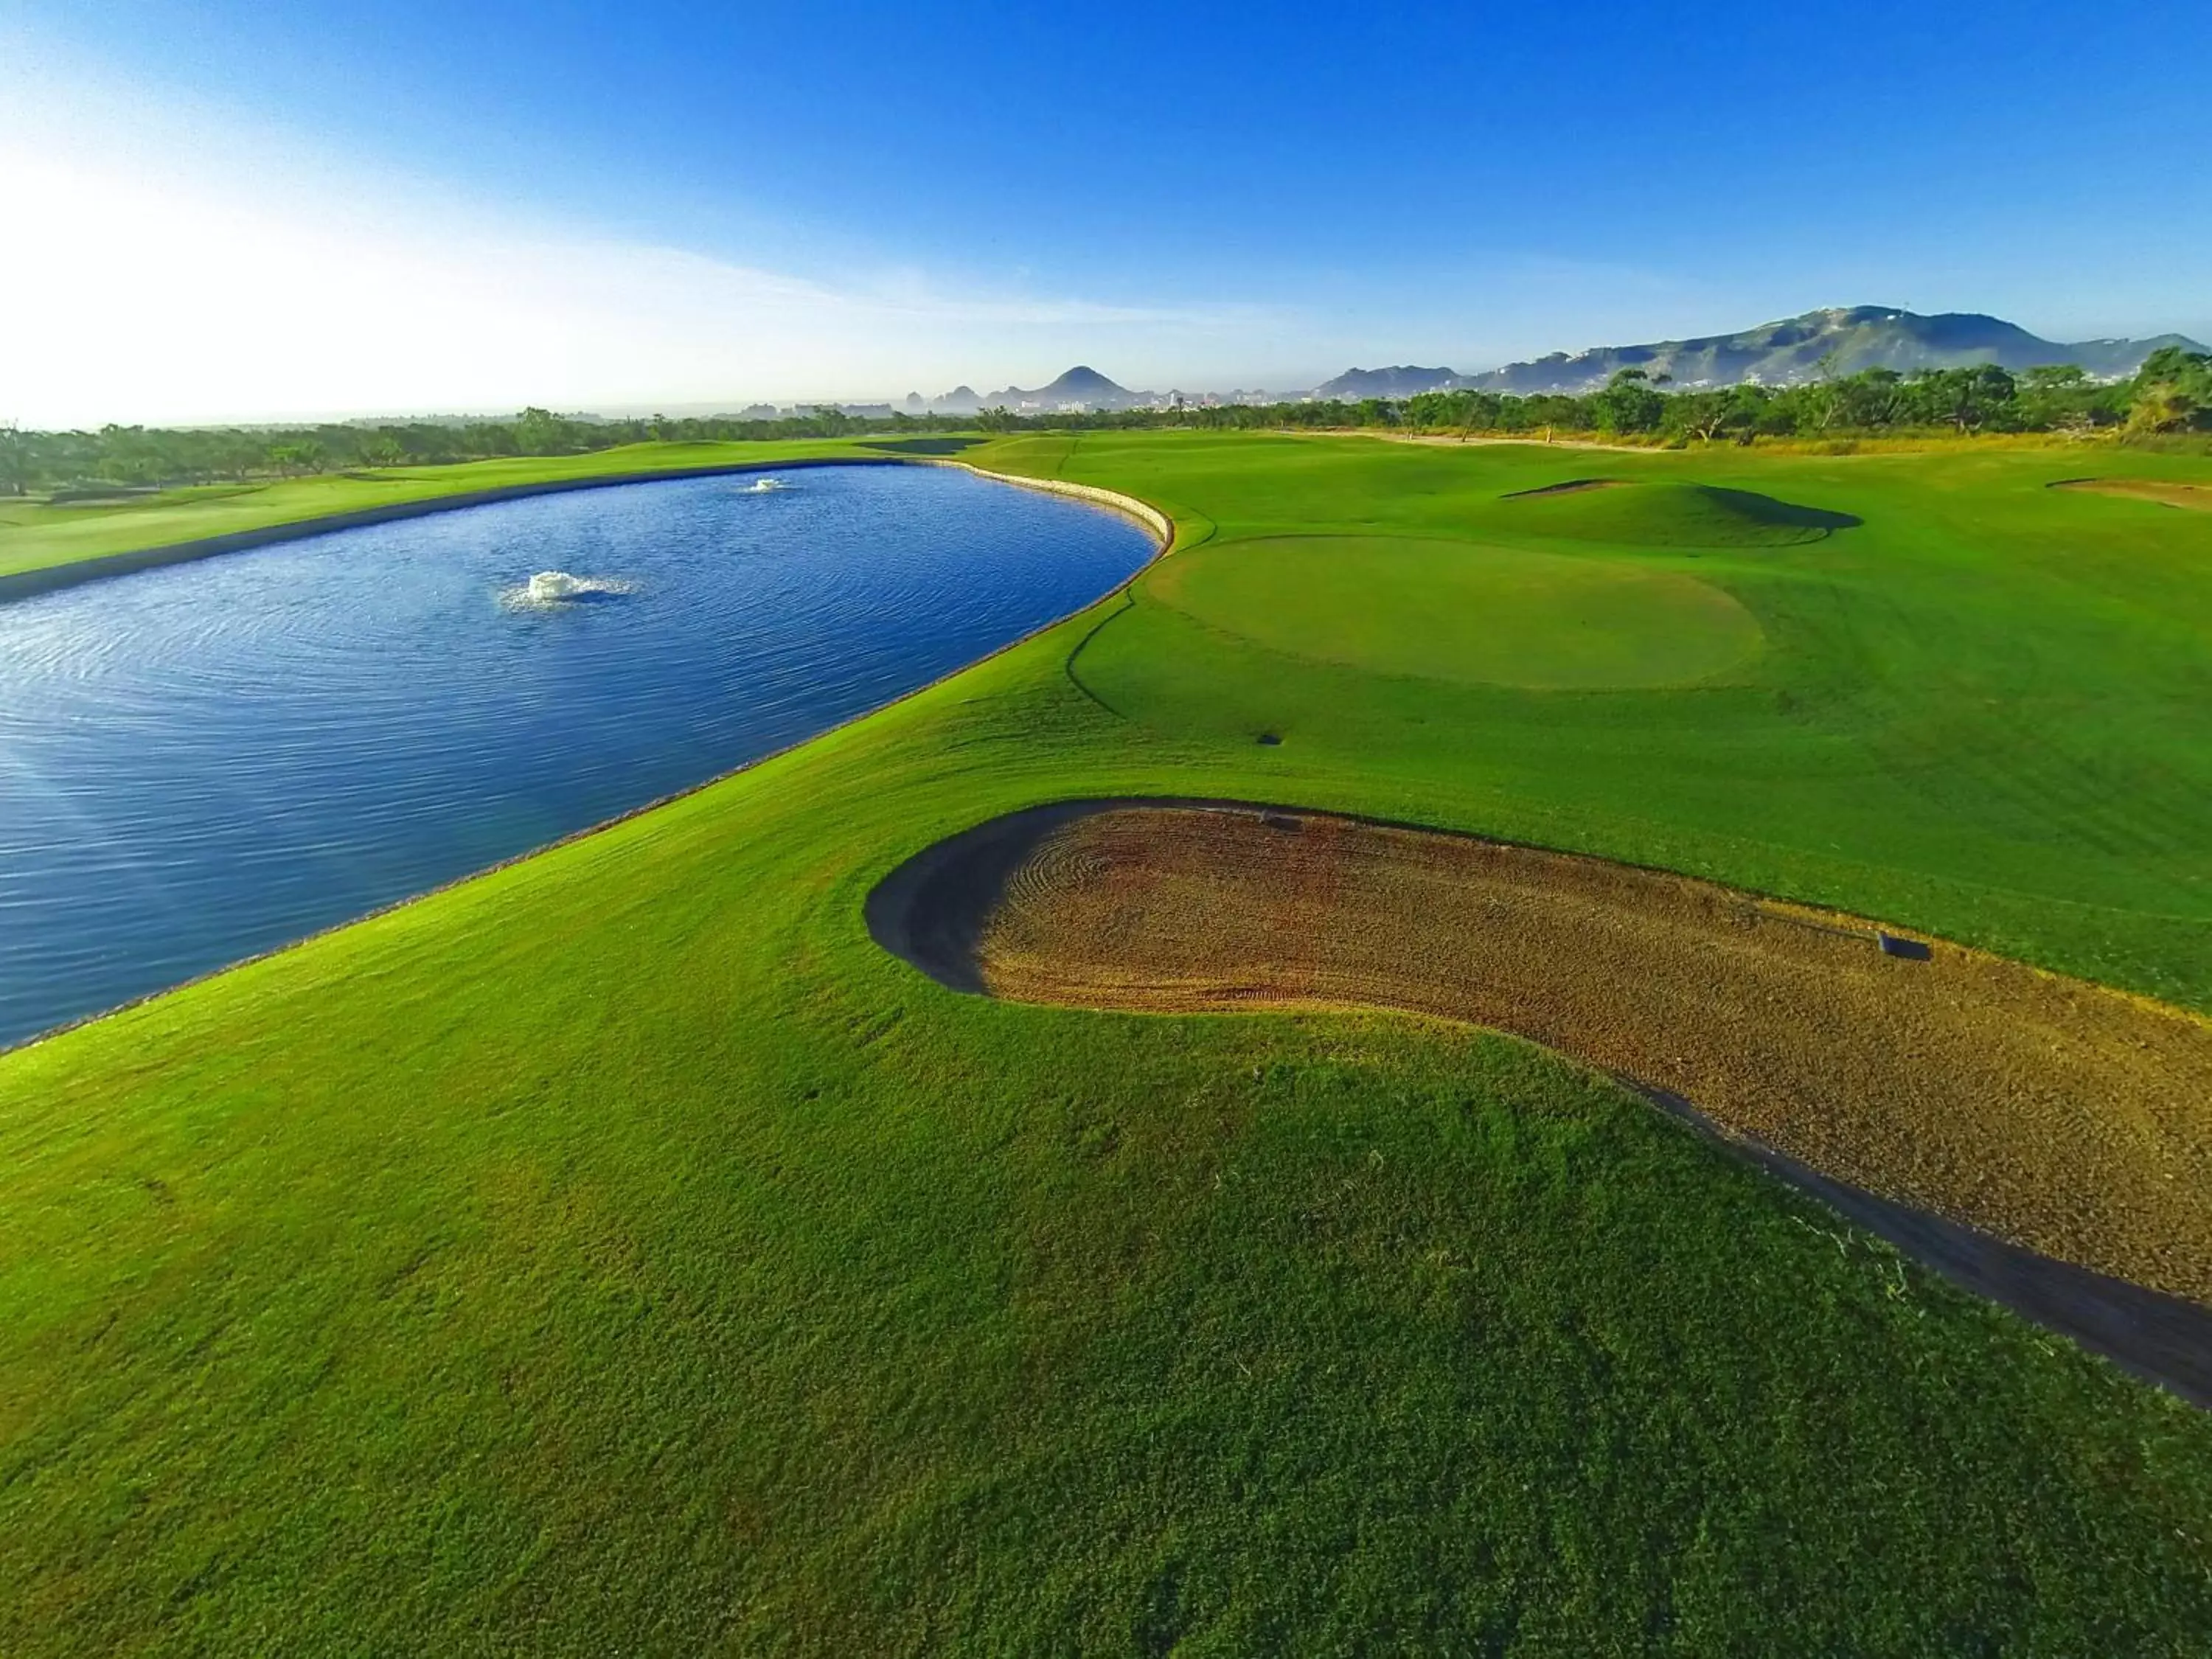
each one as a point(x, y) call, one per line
point(1868, 400)
point(15, 459)
point(2172, 391)
point(540, 432)
point(1711, 414)
point(1967, 399)
point(1629, 403)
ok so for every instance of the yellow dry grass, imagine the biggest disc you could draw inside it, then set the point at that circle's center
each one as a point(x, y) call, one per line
point(2071, 1119)
point(2196, 495)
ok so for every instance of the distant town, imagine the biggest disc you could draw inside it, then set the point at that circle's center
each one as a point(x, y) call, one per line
point(1821, 344)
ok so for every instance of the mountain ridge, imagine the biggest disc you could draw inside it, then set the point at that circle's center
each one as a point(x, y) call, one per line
point(1080, 387)
point(1843, 339)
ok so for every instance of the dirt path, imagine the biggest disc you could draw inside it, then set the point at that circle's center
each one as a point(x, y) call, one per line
point(1992, 1117)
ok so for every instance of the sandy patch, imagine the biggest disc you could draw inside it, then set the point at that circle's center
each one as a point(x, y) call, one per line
point(2193, 496)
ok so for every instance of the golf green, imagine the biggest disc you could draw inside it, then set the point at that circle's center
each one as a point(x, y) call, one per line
point(1462, 611)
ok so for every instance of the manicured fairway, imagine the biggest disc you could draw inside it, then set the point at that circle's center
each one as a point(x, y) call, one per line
point(1982, 711)
point(620, 1253)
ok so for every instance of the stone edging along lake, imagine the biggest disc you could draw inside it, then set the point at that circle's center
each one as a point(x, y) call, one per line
point(26, 583)
point(1160, 529)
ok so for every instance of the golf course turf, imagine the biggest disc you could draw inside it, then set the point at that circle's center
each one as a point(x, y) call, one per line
point(1442, 610)
point(2061, 1117)
point(1674, 514)
point(622, 1252)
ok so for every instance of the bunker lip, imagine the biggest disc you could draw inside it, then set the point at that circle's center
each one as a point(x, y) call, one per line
point(2166, 1340)
point(973, 912)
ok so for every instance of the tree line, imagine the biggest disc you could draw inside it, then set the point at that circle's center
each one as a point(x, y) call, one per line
point(123, 457)
point(2171, 394)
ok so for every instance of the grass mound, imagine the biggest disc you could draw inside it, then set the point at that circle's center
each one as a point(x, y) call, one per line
point(1674, 514)
point(1456, 611)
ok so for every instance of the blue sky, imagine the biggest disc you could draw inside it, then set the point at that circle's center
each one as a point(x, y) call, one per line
point(684, 204)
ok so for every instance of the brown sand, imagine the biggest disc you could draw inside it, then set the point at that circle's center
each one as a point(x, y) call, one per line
point(2065, 1118)
point(2196, 495)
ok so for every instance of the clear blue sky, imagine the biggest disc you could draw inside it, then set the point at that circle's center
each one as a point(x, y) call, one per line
point(1249, 194)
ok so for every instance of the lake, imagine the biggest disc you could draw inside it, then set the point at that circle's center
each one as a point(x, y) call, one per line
point(205, 761)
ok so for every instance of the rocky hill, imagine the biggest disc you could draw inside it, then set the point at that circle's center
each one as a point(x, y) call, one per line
point(1081, 387)
point(1844, 339)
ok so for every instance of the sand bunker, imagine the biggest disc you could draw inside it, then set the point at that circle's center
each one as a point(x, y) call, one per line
point(2074, 1121)
point(2195, 495)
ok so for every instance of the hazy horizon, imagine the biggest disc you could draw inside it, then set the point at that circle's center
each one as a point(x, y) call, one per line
point(232, 216)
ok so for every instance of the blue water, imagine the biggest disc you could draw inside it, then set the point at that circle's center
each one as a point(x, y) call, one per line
point(205, 761)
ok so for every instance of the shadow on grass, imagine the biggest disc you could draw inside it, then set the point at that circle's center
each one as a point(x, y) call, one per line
point(924, 446)
point(1766, 509)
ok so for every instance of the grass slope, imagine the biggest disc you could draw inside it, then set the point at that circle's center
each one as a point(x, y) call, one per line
point(619, 1252)
point(1458, 611)
point(1669, 514)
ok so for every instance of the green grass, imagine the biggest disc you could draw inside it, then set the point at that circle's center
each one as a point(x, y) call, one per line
point(34, 536)
point(619, 1253)
point(1980, 712)
point(1661, 513)
point(1460, 612)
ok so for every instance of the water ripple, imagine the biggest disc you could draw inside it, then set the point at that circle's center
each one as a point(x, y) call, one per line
point(202, 762)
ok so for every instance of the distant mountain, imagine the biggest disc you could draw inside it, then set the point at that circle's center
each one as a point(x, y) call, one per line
point(1082, 386)
point(1859, 336)
point(961, 400)
point(1401, 381)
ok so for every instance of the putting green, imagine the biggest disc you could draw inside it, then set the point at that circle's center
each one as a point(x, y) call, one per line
point(1673, 514)
point(1454, 611)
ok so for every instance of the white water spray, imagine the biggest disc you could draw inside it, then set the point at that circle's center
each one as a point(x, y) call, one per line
point(549, 587)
